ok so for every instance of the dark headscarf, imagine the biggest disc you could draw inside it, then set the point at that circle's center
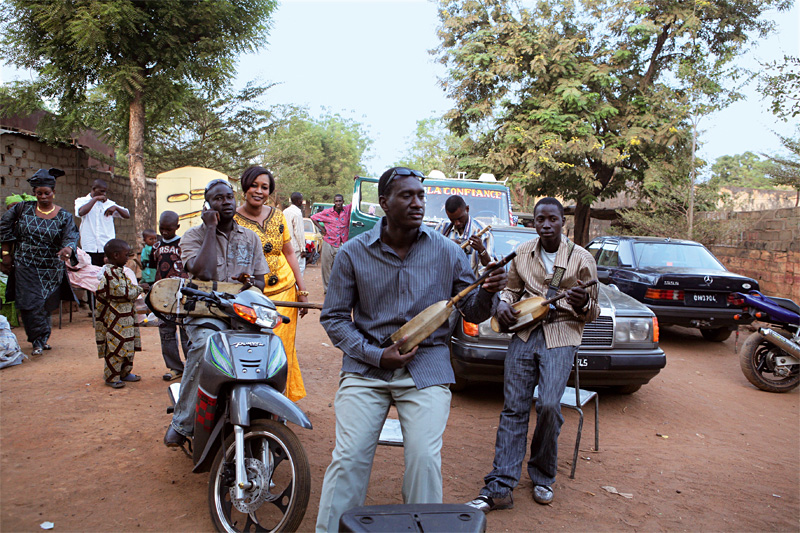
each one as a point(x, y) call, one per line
point(45, 178)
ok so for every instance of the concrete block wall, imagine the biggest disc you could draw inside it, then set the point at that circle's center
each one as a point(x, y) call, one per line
point(768, 250)
point(21, 155)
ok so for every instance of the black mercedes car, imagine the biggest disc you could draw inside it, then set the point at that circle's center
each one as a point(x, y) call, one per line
point(681, 281)
point(619, 349)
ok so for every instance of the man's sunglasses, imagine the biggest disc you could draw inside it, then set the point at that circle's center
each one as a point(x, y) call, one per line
point(217, 182)
point(403, 172)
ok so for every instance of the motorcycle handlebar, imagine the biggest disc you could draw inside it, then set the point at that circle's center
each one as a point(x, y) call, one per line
point(188, 291)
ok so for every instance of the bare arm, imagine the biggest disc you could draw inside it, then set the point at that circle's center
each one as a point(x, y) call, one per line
point(291, 258)
point(204, 265)
point(84, 210)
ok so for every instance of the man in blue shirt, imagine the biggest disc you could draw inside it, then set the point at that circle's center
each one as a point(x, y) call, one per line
point(380, 280)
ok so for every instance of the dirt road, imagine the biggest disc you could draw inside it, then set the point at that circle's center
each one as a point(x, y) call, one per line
point(88, 458)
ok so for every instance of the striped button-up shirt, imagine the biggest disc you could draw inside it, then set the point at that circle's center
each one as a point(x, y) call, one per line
point(372, 292)
point(527, 277)
point(337, 225)
point(472, 227)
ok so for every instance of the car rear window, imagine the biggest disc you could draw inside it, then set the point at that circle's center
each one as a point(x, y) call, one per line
point(661, 254)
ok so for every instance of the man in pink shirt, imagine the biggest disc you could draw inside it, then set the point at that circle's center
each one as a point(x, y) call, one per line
point(334, 233)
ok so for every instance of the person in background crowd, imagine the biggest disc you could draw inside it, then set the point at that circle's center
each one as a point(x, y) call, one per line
point(541, 354)
point(149, 238)
point(463, 227)
point(97, 214)
point(217, 250)
point(381, 279)
point(294, 218)
point(335, 232)
point(285, 282)
point(36, 239)
point(116, 332)
point(168, 264)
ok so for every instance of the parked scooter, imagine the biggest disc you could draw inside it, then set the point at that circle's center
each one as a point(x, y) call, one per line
point(260, 478)
point(770, 358)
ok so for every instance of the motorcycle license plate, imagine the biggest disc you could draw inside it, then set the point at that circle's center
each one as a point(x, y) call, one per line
point(702, 299)
point(600, 362)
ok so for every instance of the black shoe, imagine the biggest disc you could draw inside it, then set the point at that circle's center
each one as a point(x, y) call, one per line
point(46, 346)
point(173, 439)
point(487, 504)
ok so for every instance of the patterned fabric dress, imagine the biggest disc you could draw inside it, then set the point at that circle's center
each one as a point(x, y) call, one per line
point(116, 332)
point(39, 280)
point(280, 285)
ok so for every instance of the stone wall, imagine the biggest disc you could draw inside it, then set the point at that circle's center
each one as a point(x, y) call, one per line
point(768, 250)
point(21, 154)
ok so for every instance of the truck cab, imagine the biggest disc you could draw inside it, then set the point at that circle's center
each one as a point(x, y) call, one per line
point(489, 200)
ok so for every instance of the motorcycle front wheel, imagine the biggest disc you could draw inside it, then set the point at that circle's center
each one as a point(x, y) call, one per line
point(757, 359)
point(277, 468)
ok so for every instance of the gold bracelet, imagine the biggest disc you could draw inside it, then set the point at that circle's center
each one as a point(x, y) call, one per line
point(302, 293)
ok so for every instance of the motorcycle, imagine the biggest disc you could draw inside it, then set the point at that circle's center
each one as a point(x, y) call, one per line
point(770, 357)
point(260, 479)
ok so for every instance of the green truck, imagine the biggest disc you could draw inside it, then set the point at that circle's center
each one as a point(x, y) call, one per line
point(489, 201)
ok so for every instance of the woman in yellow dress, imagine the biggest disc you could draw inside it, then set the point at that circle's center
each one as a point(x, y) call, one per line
point(284, 281)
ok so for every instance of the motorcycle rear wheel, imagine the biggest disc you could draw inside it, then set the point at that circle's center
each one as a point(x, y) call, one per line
point(276, 506)
point(755, 359)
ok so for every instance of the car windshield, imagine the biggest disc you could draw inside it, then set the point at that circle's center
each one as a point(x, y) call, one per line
point(663, 254)
point(308, 226)
point(506, 242)
point(486, 205)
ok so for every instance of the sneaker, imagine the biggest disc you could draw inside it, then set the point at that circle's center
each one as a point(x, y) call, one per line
point(488, 504)
point(542, 494)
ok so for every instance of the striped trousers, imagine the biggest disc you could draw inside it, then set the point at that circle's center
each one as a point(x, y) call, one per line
point(529, 364)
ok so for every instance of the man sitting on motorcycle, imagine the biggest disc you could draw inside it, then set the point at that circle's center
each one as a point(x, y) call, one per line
point(218, 237)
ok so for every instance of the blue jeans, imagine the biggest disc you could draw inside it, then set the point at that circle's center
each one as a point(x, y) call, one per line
point(528, 364)
point(184, 414)
point(169, 345)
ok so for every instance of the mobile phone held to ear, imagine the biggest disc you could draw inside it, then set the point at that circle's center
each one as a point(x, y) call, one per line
point(206, 206)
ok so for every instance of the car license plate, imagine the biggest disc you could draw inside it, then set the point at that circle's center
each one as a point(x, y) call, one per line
point(599, 362)
point(702, 299)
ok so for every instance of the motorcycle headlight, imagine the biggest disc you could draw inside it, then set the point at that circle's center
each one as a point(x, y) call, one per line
point(258, 315)
point(634, 329)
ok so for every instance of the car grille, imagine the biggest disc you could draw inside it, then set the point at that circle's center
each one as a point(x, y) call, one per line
point(598, 333)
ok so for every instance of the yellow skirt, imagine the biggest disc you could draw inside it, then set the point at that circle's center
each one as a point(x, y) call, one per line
point(295, 390)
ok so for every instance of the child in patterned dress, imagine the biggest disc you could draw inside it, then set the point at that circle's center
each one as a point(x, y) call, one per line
point(116, 332)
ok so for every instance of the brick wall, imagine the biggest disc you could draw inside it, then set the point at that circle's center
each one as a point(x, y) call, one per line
point(768, 250)
point(22, 154)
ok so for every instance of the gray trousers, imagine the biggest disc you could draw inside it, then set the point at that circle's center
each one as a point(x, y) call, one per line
point(361, 406)
point(528, 364)
point(328, 255)
point(169, 345)
point(184, 414)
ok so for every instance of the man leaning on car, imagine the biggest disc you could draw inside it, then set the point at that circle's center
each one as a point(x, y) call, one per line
point(539, 355)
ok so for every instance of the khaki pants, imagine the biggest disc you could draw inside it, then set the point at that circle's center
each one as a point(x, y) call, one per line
point(361, 406)
point(328, 254)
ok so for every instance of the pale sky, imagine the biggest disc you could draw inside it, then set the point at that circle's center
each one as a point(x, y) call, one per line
point(369, 61)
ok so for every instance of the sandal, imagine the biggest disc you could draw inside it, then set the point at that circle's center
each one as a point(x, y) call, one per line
point(47, 346)
point(132, 377)
point(36, 351)
point(115, 384)
point(172, 374)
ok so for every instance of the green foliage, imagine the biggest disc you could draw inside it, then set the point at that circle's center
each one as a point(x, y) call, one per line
point(433, 148)
point(785, 170)
point(780, 82)
point(741, 170)
point(580, 99)
point(318, 157)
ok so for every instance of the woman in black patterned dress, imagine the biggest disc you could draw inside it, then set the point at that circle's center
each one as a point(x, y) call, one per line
point(37, 237)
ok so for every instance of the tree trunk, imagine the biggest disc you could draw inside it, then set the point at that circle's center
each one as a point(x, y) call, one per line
point(142, 207)
point(582, 222)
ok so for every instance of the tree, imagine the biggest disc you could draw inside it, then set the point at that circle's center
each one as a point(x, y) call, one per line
point(741, 170)
point(582, 98)
point(785, 170)
point(134, 58)
point(433, 148)
point(780, 82)
point(318, 157)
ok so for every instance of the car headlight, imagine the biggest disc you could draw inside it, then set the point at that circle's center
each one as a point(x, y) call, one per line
point(634, 329)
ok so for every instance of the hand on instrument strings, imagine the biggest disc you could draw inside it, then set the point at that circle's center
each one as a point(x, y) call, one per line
point(476, 244)
point(392, 359)
point(506, 315)
point(496, 281)
point(577, 296)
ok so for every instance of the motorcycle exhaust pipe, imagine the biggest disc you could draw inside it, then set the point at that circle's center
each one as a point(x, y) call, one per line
point(783, 343)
